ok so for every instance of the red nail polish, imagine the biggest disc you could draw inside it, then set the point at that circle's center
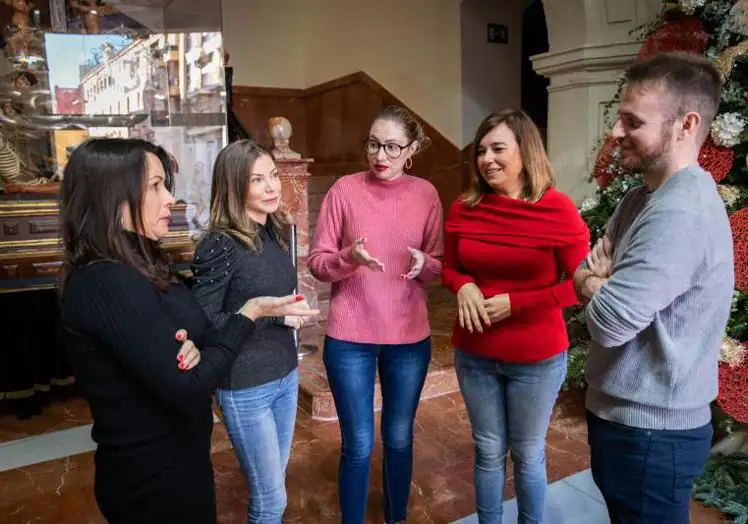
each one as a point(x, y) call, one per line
point(299, 298)
point(182, 365)
point(180, 358)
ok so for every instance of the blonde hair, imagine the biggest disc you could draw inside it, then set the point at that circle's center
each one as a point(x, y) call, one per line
point(537, 170)
point(228, 197)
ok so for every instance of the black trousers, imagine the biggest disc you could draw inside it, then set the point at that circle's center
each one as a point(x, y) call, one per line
point(146, 489)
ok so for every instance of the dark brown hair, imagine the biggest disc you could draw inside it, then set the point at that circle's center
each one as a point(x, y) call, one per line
point(537, 170)
point(229, 192)
point(100, 176)
point(410, 124)
point(692, 82)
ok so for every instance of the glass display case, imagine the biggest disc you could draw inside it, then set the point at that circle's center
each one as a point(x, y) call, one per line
point(76, 69)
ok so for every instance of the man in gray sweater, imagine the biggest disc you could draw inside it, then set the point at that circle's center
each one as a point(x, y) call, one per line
point(659, 289)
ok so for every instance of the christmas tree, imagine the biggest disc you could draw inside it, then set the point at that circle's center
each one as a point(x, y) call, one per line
point(719, 30)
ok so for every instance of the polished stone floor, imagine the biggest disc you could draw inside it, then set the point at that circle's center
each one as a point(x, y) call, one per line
point(57, 487)
point(46, 463)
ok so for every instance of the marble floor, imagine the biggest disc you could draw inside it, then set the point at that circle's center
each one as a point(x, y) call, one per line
point(46, 462)
point(47, 478)
point(576, 500)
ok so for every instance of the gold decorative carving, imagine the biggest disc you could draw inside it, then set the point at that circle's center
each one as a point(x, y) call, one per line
point(47, 269)
point(41, 227)
point(10, 228)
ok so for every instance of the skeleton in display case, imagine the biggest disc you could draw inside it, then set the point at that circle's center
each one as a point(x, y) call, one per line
point(19, 165)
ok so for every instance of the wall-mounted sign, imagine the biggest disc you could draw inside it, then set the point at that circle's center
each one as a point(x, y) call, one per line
point(498, 34)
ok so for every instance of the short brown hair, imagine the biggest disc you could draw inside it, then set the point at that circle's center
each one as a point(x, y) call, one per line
point(692, 81)
point(228, 197)
point(538, 172)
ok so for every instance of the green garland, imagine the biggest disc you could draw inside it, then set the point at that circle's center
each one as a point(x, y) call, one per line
point(724, 485)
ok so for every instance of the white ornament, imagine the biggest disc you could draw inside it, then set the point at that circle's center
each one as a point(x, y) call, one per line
point(739, 17)
point(689, 6)
point(588, 204)
point(727, 128)
point(731, 352)
point(729, 194)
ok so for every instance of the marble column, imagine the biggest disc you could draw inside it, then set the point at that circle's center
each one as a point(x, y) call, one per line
point(591, 45)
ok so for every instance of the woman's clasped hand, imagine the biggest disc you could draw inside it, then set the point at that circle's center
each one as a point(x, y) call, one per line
point(472, 308)
point(476, 311)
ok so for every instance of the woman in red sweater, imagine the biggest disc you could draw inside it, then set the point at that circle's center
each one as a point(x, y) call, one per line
point(509, 239)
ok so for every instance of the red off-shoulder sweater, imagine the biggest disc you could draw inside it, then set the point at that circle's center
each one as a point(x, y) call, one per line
point(529, 250)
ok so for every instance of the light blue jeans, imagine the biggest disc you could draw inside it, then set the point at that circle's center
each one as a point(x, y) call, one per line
point(260, 422)
point(510, 407)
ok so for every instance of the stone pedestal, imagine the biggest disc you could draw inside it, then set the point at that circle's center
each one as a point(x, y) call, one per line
point(294, 175)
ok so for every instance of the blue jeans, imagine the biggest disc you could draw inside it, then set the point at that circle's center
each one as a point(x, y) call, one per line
point(351, 371)
point(510, 407)
point(260, 421)
point(646, 475)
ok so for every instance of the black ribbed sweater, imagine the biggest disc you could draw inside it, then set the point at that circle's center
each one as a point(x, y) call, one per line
point(152, 421)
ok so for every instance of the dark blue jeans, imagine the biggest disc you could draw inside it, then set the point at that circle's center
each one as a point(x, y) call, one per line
point(646, 476)
point(351, 370)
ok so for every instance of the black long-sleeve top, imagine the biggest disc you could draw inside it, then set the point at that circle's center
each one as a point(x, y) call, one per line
point(227, 274)
point(120, 334)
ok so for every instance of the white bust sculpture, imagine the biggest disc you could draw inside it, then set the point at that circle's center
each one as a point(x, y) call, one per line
point(280, 130)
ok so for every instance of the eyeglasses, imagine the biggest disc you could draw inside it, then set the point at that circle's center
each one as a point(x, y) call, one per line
point(391, 149)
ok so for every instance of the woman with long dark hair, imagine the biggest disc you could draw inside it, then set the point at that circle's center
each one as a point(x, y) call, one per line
point(127, 321)
point(246, 254)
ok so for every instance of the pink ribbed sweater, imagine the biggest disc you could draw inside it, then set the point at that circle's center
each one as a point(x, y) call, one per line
point(368, 306)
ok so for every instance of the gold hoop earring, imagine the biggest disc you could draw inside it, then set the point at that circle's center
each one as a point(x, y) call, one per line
point(408, 163)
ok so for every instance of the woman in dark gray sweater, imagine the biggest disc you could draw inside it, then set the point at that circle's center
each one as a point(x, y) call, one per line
point(246, 254)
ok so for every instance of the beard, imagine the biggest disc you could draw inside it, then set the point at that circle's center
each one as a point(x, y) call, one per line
point(644, 159)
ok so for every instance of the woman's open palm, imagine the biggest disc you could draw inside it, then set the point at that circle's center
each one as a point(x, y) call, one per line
point(363, 257)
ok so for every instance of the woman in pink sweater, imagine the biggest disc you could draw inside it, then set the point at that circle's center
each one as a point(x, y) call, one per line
point(379, 241)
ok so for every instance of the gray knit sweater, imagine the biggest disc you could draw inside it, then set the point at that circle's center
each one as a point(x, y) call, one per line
point(657, 324)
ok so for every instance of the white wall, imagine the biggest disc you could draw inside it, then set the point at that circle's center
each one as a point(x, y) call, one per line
point(491, 73)
point(266, 42)
point(410, 47)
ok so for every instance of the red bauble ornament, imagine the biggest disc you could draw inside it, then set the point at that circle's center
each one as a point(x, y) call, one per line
point(604, 159)
point(739, 226)
point(684, 34)
point(733, 391)
point(717, 160)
